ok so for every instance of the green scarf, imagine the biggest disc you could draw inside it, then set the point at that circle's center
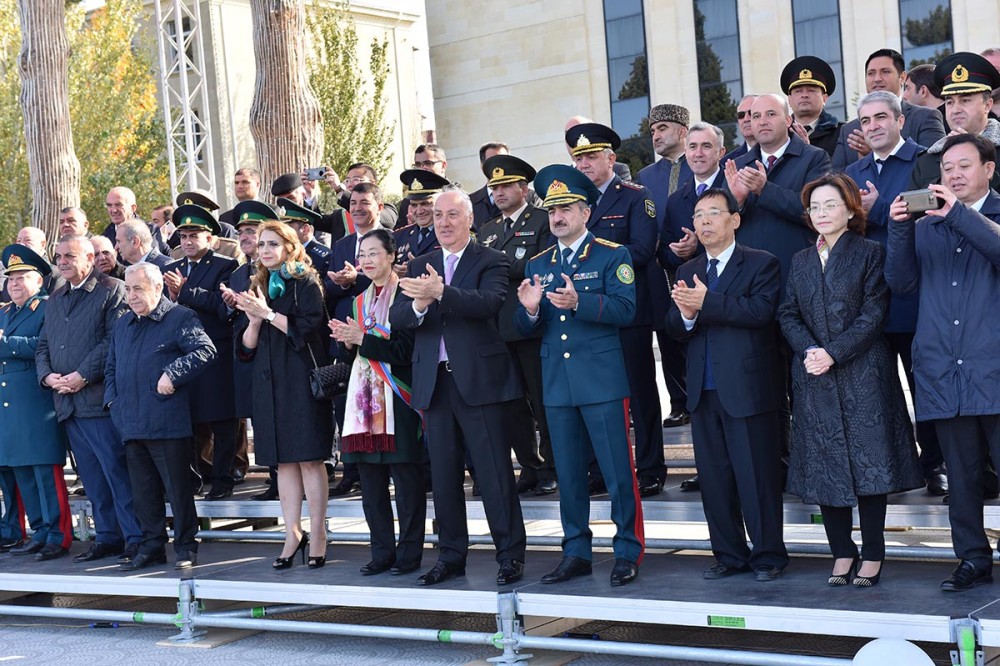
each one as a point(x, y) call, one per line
point(276, 283)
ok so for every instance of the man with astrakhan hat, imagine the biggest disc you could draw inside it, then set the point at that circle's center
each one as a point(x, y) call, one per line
point(32, 442)
point(809, 81)
point(195, 281)
point(625, 214)
point(521, 231)
point(580, 293)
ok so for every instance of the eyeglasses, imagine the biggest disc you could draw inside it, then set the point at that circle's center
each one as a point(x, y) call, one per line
point(426, 164)
point(827, 208)
point(740, 115)
point(712, 214)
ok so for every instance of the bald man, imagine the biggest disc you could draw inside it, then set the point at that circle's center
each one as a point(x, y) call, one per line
point(34, 238)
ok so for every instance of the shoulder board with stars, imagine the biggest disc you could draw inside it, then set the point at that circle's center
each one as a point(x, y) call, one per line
point(632, 186)
point(406, 228)
point(606, 243)
point(542, 253)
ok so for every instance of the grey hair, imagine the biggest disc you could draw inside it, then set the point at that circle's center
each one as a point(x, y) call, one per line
point(709, 127)
point(77, 238)
point(454, 189)
point(748, 96)
point(137, 228)
point(882, 96)
point(150, 271)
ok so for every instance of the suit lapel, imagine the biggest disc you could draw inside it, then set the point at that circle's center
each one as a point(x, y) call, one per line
point(465, 264)
point(733, 268)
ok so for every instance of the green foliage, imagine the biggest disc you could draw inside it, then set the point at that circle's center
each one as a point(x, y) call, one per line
point(933, 60)
point(935, 28)
point(637, 84)
point(717, 105)
point(352, 96)
point(637, 150)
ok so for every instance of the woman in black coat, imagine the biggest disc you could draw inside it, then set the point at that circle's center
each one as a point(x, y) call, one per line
point(284, 338)
point(852, 440)
point(382, 433)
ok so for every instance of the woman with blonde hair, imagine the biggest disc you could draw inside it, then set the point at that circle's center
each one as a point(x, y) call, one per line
point(284, 338)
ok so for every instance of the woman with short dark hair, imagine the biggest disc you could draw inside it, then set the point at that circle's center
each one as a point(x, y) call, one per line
point(852, 440)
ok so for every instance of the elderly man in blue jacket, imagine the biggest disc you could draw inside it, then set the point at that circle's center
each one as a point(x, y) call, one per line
point(580, 293)
point(156, 350)
point(952, 254)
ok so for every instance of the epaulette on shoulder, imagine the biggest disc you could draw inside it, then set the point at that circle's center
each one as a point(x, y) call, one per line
point(542, 253)
point(632, 186)
point(406, 228)
point(606, 243)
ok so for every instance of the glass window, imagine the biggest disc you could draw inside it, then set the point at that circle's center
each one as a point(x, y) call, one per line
point(720, 76)
point(925, 26)
point(817, 33)
point(628, 80)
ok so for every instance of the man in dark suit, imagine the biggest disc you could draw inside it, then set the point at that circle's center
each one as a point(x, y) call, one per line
point(678, 243)
point(462, 377)
point(881, 118)
point(625, 214)
point(135, 245)
point(194, 282)
point(668, 126)
point(885, 69)
point(120, 204)
point(768, 179)
point(724, 305)
point(577, 294)
point(521, 231)
point(809, 81)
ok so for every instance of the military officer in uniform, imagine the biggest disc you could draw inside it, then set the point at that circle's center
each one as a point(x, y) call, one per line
point(32, 442)
point(580, 292)
point(521, 231)
point(418, 237)
point(624, 213)
point(304, 222)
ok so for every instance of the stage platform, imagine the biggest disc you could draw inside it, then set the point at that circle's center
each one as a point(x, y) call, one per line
point(670, 591)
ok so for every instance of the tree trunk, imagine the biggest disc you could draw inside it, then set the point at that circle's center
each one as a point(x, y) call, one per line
point(285, 118)
point(43, 65)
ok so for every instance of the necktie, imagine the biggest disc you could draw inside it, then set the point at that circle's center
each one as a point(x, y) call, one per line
point(711, 281)
point(191, 265)
point(879, 163)
point(567, 254)
point(675, 174)
point(700, 189)
point(771, 159)
point(508, 228)
point(449, 272)
point(421, 236)
point(808, 129)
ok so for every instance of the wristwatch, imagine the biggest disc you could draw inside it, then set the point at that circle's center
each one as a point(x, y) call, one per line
point(271, 315)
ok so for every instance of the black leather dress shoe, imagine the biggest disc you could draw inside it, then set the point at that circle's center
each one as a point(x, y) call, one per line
point(6, 546)
point(238, 477)
point(967, 576)
point(50, 552)
point(766, 574)
point(625, 572)
point(268, 495)
point(526, 482)
point(475, 489)
point(143, 560)
point(677, 419)
point(569, 567)
point(345, 487)
point(649, 486)
point(186, 560)
point(219, 493)
point(27, 548)
point(441, 572)
point(546, 487)
point(937, 482)
point(510, 571)
point(98, 551)
point(375, 567)
point(130, 551)
point(403, 569)
point(596, 486)
point(723, 570)
point(691, 485)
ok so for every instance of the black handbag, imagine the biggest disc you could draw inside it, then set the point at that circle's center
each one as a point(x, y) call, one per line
point(328, 381)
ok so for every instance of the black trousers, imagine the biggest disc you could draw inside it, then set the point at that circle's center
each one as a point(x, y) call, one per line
point(674, 362)
point(156, 466)
point(931, 457)
point(454, 428)
point(411, 507)
point(534, 454)
point(967, 442)
point(838, 522)
point(223, 452)
point(739, 470)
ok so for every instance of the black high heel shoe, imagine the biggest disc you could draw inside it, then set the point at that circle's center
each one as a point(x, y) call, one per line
point(869, 581)
point(317, 561)
point(286, 562)
point(838, 580)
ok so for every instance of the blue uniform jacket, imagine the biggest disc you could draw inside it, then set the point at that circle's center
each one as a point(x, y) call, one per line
point(895, 178)
point(171, 340)
point(955, 262)
point(582, 361)
point(29, 431)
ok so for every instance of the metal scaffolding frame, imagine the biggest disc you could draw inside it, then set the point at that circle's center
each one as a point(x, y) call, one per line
point(184, 90)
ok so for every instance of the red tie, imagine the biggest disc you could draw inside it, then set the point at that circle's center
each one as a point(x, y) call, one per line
point(771, 159)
